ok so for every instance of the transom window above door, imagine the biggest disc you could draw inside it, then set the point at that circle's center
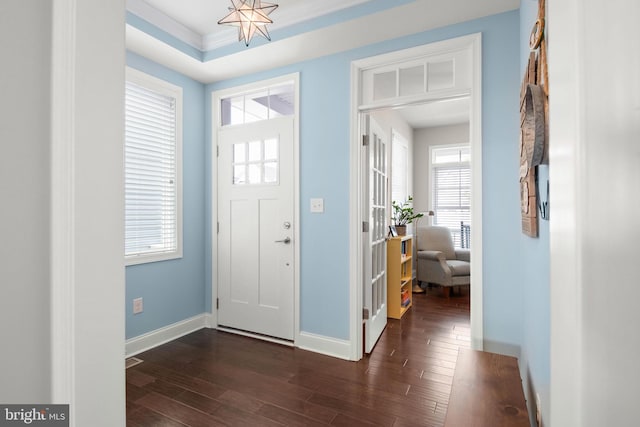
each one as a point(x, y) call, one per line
point(264, 104)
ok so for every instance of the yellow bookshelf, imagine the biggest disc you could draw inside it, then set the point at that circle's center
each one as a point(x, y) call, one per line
point(399, 275)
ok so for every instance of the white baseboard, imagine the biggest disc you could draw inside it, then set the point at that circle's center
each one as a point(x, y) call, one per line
point(307, 341)
point(210, 321)
point(324, 345)
point(160, 336)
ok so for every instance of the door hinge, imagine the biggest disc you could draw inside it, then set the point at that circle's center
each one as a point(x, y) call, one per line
point(217, 303)
point(217, 151)
point(365, 226)
point(365, 314)
point(218, 228)
point(365, 140)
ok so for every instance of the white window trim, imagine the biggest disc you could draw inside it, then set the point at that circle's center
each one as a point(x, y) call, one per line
point(174, 91)
point(432, 183)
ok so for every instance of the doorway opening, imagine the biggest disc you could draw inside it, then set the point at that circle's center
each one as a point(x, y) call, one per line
point(404, 82)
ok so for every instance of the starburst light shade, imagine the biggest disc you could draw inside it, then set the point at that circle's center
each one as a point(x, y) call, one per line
point(251, 17)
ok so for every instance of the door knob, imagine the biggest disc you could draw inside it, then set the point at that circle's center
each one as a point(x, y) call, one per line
point(286, 240)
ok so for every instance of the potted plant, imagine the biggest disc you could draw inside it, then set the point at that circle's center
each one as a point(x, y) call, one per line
point(403, 214)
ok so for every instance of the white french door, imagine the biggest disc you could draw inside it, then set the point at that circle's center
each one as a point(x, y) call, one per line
point(256, 230)
point(375, 232)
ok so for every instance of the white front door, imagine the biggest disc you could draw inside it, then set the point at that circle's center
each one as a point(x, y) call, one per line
point(256, 230)
point(374, 237)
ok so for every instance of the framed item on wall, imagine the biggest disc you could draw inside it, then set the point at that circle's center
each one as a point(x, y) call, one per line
point(534, 130)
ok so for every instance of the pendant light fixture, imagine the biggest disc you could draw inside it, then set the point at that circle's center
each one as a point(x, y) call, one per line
point(251, 17)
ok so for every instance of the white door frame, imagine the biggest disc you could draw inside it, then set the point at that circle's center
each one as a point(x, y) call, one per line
point(474, 43)
point(216, 96)
point(87, 318)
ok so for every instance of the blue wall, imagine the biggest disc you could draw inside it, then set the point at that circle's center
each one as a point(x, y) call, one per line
point(515, 267)
point(175, 290)
point(324, 166)
point(534, 264)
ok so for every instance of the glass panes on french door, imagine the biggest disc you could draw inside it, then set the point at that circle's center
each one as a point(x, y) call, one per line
point(451, 188)
point(378, 197)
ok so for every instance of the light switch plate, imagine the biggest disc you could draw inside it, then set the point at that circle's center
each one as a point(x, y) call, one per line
point(317, 205)
point(137, 306)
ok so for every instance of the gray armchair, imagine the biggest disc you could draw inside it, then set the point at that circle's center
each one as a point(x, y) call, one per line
point(439, 262)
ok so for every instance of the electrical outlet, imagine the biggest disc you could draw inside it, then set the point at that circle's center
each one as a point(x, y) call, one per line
point(137, 305)
point(317, 205)
point(538, 410)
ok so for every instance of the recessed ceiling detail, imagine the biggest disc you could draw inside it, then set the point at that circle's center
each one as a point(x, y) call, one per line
point(195, 21)
point(322, 34)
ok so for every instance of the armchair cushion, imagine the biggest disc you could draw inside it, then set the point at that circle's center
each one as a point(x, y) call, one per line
point(459, 268)
point(463, 255)
point(432, 255)
point(436, 239)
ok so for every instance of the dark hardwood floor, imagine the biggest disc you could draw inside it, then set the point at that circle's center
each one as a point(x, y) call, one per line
point(211, 378)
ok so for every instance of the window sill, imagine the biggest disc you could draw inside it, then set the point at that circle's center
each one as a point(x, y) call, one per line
point(145, 259)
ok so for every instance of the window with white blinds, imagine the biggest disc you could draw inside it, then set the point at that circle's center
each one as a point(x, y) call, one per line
point(153, 173)
point(451, 188)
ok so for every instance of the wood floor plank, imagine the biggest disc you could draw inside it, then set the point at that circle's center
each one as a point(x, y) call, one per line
point(145, 417)
point(287, 418)
point(139, 378)
point(343, 420)
point(211, 378)
point(236, 417)
point(234, 399)
point(198, 401)
point(134, 393)
point(175, 410)
point(353, 410)
point(184, 381)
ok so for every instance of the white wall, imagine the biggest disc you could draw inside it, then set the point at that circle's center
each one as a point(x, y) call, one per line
point(62, 138)
point(25, 29)
point(595, 214)
point(392, 120)
point(98, 211)
point(423, 139)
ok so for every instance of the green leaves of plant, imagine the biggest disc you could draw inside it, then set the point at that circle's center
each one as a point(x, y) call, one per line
point(403, 213)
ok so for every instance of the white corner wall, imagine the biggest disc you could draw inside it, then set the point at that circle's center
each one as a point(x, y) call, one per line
point(62, 153)
point(392, 120)
point(423, 140)
point(100, 274)
point(595, 214)
point(87, 186)
point(25, 30)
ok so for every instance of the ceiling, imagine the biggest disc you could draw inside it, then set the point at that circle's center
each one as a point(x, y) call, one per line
point(440, 113)
point(196, 21)
point(222, 57)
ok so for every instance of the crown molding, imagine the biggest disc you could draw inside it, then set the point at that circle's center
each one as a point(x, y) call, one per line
point(166, 23)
